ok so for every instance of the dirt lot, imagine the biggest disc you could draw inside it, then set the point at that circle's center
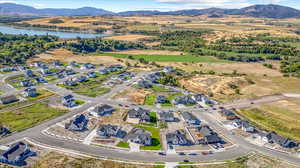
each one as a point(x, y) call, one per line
point(133, 94)
point(220, 87)
point(248, 68)
point(67, 56)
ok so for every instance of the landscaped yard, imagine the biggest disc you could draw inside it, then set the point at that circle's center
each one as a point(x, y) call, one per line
point(156, 145)
point(164, 58)
point(27, 117)
point(150, 100)
point(122, 144)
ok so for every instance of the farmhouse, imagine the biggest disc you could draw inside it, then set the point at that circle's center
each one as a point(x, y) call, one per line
point(111, 131)
point(78, 124)
point(103, 110)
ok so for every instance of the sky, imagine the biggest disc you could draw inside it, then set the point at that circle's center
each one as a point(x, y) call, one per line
point(161, 5)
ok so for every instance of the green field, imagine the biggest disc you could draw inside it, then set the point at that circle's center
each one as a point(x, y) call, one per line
point(30, 116)
point(165, 58)
point(122, 144)
point(155, 132)
point(235, 53)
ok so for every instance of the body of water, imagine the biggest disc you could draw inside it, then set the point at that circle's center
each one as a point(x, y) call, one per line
point(12, 30)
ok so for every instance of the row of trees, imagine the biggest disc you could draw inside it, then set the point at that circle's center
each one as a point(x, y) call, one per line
point(17, 48)
point(100, 45)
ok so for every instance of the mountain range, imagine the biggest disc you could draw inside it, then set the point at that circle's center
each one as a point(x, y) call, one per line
point(268, 11)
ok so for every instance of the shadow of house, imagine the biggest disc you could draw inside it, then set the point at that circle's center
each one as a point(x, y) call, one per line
point(17, 154)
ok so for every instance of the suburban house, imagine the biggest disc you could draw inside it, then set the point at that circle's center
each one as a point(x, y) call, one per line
point(69, 72)
point(208, 136)
point(184, 100)
point(68, 101)
point(166, 116)
point(154, 77)
point(138, 115)
point(38, 64)
point(103, 71)
point(73, 64)
point(56, 63)
point(242, 124)
point(168, 69)
point(272, 137)
point(161, 100)
point(26, 83)
point(8, 99)
point(103, 110)
point(4, 131)
point(8, 69)
point(87, 66)
point(125, 76)
point(229, 115)
point(81, 78)
point(177, 138)
point(91, 75)
point(78, 124)
point(111, 131)
point(16, 154)
point(40, 80)
point(30, 92)
point(201, 98)
point(70, 82)
point(45, 71)
point(115, 68)
point(190, 118)
point(144, 84)
point(29, 73)
point(140, 136)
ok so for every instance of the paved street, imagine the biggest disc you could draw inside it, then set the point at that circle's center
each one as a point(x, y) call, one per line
point(242, 147)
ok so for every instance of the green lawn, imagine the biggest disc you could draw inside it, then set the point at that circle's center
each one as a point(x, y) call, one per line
point(155, 132)
point(29, 116)
point(173, 96)
point(79, 102)
point(150, 100)
point(165, 58)
point(122, 144)
point(159, 89)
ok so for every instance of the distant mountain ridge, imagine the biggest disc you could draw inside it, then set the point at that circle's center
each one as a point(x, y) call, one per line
point(268, 11)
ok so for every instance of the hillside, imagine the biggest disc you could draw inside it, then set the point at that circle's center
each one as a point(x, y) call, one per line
point(268, 11)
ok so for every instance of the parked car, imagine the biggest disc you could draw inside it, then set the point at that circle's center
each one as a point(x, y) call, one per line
point(181, 154)
point(186, 161)
point(162, 153)
point(193, 154)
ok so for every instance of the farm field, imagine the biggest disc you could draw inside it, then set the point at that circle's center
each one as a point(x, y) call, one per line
point(164, 58)
point(281, 116)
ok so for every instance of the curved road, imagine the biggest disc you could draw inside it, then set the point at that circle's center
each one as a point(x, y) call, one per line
point(242, 146)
